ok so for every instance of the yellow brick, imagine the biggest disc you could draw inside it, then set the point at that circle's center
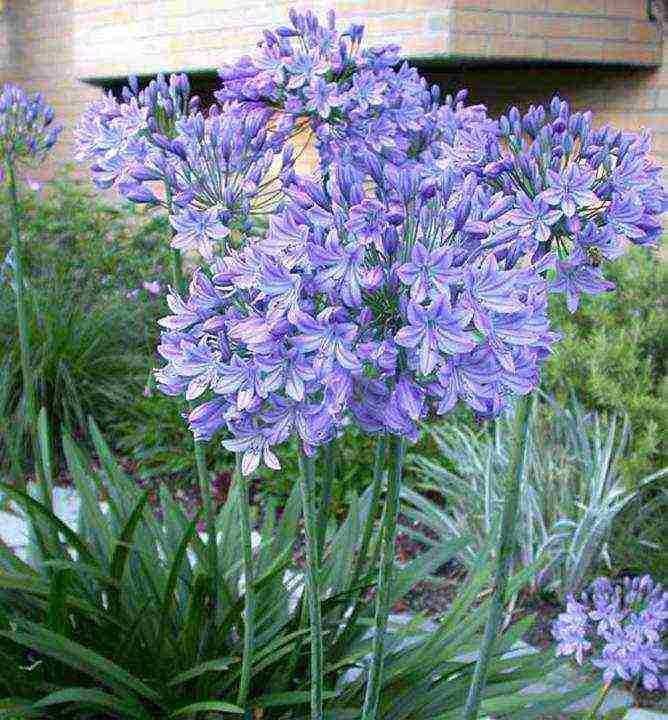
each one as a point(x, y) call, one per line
point(660, 144)
point(644, 32)
point(517, 6)
point(581, 7)
point(427, 45)
point(528, 25)
point(413, 6)
point(574, 50)
point(464, 21)
point(468, 45)
point(472, 4)
point(626, 52)
point(514, 47)
point(380, 26)
point(585, 27)
point(627, 8)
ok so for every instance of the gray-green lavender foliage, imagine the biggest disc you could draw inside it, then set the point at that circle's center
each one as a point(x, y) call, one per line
point(572, 490)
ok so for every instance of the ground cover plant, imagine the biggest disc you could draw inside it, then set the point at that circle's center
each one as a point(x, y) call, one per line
point(406, 276)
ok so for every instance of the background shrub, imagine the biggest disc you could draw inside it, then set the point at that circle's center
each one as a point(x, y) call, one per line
point(92, 344)
point(613, 355)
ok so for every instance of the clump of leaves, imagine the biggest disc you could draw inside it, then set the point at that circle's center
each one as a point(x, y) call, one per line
point(571, 495)
point(131, 616)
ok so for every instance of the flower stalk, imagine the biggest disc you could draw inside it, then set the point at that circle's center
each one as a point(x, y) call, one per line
point(243, 485)
point(503, 556)
point(307, 486)
point(178, 280)
point(177, 271)
point(21, 308)
point(397, 448)
point(600, 699)
point(378, 468)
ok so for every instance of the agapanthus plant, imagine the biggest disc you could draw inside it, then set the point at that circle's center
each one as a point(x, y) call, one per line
point(408, 273)
point(27, 134)
point(211, 176)
point(618, 628)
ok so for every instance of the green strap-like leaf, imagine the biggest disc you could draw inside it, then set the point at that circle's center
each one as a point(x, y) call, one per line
point(35, 508)
point(56, 618)
point(45, 451)
point(87, 697)
point(210, 666)
point(174, 571)
point(97, 524)
point(207, 707)
point(122, 550)
point(288, 698)
point(39, 639)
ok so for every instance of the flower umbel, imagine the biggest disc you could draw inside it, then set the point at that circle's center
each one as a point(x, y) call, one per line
point(27, 132)
point(621, 627)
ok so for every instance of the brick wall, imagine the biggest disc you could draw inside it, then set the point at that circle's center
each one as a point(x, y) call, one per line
point(600, 31)
point(51, 44)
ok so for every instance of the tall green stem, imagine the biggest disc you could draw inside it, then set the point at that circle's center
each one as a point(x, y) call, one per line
point(326, 496)
point(378, 467)
point(307, 486)
point(21, 310)
point(178, 280)
point(397, 448)
point(249, 592)
point(599, 701)
point(503, 556)
point(210, 520)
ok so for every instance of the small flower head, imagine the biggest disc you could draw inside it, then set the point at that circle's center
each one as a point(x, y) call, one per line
point(621, 627)
point(27, 132)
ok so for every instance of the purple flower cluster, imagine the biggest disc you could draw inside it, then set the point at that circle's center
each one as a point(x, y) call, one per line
point(27, 132)
point(215, 174)
point(352, 99)
point(409, 272)
point(361, 301)
point(622, 627)
point(114, 134)
point(585, 193)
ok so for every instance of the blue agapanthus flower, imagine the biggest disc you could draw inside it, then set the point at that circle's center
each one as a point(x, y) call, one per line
point(331, 308)
point(621, 628)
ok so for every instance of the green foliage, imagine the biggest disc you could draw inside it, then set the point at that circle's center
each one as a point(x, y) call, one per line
point(613, 354)
point(572, 491)
point(92, 346)
point(126, 627)
point(640, 545)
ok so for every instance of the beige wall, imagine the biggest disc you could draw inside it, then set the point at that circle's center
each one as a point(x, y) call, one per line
point(49, 45)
